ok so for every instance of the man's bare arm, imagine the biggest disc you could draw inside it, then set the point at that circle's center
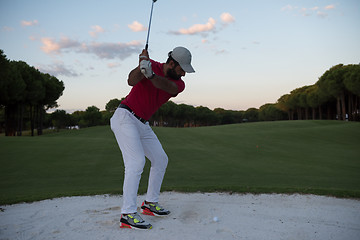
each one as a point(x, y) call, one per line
point(135, 76)
point(165, 84)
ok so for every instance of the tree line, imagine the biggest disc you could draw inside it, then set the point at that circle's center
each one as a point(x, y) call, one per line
point(25, 95)
point(335, 95)
point(169, 115)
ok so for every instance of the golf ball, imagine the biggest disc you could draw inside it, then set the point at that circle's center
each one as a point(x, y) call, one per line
point(215, 219)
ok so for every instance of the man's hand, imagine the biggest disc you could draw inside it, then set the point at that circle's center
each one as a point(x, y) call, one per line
point(144, 55)
point(145, 67)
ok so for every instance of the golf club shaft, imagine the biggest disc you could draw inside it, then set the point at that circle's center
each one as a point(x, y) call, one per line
point(148, 33)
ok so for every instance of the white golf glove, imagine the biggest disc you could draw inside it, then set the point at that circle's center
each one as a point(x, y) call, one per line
point(145, 67)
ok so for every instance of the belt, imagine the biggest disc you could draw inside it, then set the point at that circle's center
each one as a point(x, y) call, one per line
point(132, 112)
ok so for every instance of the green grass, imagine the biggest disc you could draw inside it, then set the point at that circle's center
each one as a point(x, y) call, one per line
point(318, 157)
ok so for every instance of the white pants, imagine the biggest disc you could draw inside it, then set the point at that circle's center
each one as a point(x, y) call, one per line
point(137, 140)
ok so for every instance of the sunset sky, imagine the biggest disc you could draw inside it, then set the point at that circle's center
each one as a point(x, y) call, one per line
point(245, 52)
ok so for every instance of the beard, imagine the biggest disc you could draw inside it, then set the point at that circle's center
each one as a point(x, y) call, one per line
point(172, 74)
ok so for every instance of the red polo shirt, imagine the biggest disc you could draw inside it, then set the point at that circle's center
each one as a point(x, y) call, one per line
point(145, 99)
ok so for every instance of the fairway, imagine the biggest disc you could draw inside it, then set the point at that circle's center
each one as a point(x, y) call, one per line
point(319, 157)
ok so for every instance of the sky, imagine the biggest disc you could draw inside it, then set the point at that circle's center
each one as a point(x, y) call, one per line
point(246, 53)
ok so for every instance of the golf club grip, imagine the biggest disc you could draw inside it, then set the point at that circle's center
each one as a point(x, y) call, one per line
point(146, 47)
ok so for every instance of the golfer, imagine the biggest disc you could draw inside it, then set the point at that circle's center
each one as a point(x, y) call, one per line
point(153, 84)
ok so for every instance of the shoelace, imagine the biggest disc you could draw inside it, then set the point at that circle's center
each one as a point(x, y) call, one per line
point(137, 218)
point(157, 206)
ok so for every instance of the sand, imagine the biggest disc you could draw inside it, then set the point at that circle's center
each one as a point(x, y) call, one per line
point(237, 216)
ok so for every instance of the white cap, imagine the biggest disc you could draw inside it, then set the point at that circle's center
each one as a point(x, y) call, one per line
point(183, 57)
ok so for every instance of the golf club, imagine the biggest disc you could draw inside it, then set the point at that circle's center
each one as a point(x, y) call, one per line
point(148, 33)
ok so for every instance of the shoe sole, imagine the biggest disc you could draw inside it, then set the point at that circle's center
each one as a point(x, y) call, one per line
point(127, 226)
point(146, 211)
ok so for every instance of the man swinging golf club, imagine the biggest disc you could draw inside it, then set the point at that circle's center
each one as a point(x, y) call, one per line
point(153, 84)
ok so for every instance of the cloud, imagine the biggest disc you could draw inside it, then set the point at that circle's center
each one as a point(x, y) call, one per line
point(306, 12)
point(221, 51)
point(137, 27)
point(112, 50)
point(204, 29)
point(101, 50)
point(329, 7)
point(198, 28)
point(29, 23)
point(321, 14)
point(58, 69)
point(314, 8)
point(96, 30)
point(227, 18)
point(113, 65)
point(288, 8)
point(324, 14)
point(51, 46)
